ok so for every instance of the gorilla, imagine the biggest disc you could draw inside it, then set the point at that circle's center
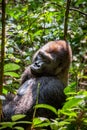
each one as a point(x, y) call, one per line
point(49, 70)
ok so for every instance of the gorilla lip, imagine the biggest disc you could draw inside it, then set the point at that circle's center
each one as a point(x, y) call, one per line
point(34, 71)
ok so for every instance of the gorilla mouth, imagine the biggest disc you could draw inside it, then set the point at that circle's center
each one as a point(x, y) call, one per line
point(35, 71)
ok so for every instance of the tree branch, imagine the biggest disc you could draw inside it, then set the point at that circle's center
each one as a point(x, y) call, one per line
point(2, 52)
point(66, 19)
point(75, 9)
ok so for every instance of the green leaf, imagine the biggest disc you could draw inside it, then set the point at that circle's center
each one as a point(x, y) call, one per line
point(4, 91)
point(43, 124)
point(12, 74)
point(19, 128)
point(71, 103)
point(47, 107)
point(70, 88)
point(11, 67)
point(85, 121)
point(40, 122)
point(7, 124)
point(17, 117)
point(62, 123)
point(68, 112)
point(37, 121)
point(23, 122)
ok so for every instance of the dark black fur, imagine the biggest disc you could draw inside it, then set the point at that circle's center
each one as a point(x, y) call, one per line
point(24, 104)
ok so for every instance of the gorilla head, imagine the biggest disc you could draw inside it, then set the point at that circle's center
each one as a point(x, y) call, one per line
point(53, 59)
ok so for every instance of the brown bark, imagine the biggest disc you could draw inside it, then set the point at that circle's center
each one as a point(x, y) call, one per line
point(2, 52)
point(66, 19)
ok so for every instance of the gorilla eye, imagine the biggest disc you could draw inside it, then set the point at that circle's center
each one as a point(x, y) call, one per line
point(37, 58)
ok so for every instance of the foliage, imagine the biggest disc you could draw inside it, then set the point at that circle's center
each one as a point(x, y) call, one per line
point(29, 25)
point(73, 115)
point(14, 122)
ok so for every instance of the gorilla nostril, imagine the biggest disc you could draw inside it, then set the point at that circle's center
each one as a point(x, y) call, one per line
point(37, 64)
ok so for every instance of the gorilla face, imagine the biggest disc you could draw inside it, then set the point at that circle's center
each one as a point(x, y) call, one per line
point(44, 64)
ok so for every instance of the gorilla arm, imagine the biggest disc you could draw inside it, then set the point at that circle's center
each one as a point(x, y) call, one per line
point(50, 92)
point(26, 75)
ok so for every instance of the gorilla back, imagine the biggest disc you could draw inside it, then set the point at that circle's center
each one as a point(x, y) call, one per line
point(50, 91)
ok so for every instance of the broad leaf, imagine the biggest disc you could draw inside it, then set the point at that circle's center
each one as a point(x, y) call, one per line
point(11, 67)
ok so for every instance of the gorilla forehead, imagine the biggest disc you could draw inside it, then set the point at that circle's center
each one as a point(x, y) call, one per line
point(55, 46)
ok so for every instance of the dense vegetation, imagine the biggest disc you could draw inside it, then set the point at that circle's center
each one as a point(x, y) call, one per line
point(28, 25)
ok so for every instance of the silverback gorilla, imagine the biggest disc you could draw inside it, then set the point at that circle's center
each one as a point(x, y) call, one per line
point(49, 70)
